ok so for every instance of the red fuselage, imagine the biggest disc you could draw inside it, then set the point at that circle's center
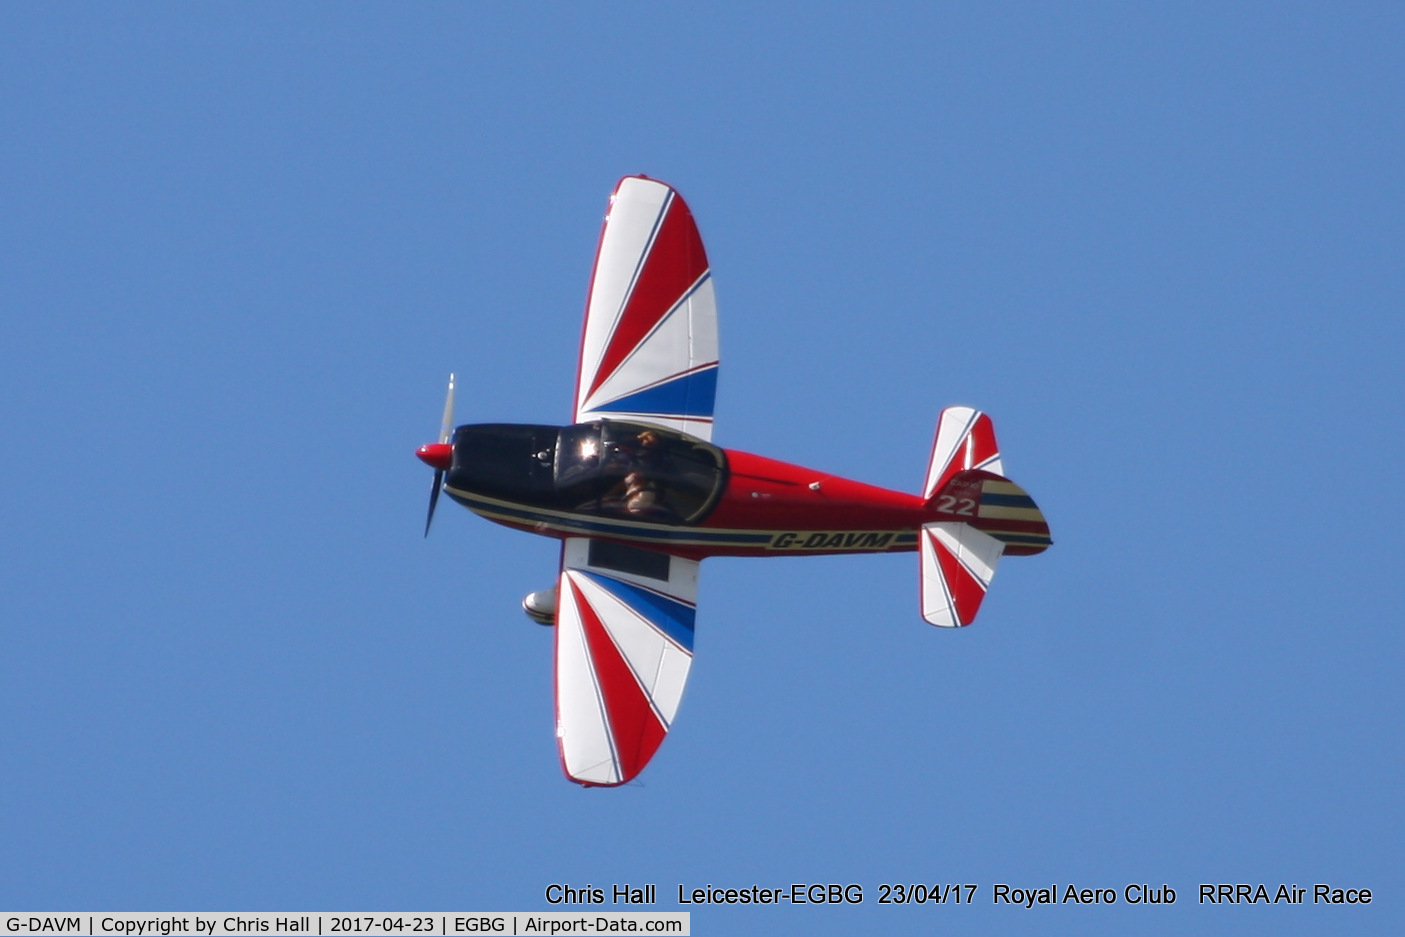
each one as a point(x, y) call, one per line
point(584, 481)
point(805, 511)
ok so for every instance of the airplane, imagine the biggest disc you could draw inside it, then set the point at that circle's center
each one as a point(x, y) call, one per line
point(638, 494)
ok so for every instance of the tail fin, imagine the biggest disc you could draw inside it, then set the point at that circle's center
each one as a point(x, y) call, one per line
point(974, 516)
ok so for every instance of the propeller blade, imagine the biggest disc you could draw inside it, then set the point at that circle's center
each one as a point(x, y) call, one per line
point(446, 425)
point(446, 432)
point(433, 499)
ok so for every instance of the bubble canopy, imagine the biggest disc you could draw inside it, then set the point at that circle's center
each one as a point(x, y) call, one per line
point(607, 467)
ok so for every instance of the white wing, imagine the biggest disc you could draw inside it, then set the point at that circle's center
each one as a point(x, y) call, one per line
point(624, 645)
point(649, 346)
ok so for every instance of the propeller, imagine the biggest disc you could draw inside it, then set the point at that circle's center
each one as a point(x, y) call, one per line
point(439, 455)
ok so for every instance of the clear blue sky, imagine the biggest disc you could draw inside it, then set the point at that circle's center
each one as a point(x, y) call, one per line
point(242, 246)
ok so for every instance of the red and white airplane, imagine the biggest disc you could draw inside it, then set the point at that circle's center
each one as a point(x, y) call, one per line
point(638, 495)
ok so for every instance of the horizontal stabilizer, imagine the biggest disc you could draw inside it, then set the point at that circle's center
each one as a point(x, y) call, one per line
point(958, 562)
point(965, 440)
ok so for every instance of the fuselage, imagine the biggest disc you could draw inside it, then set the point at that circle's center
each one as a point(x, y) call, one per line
point(659, 488)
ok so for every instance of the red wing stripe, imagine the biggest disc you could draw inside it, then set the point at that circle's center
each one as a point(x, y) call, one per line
point(674, 263)
point(601, 376)
point(635, 729)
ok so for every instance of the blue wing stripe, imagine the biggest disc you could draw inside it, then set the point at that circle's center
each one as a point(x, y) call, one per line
point(672, 617)
point(692, 394)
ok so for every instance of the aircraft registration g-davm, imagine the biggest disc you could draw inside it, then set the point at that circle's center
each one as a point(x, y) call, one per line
point(638, 495)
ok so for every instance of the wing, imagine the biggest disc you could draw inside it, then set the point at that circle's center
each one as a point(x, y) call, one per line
point(624, 645)
point(649, 345)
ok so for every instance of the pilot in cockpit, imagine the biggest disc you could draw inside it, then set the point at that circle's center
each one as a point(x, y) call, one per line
point(640, 491)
